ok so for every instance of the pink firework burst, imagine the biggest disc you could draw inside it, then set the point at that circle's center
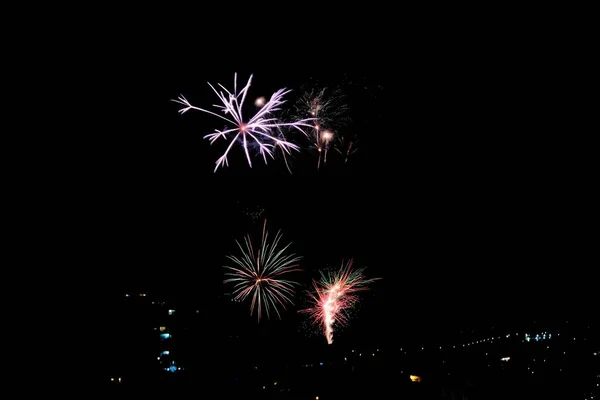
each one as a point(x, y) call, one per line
point(334, 295)
point(263, 130)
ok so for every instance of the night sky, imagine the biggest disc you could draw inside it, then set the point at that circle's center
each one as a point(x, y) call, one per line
point(450, 199)
point(461, 197)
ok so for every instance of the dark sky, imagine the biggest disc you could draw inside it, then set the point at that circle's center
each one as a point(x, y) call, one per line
point(450, 199)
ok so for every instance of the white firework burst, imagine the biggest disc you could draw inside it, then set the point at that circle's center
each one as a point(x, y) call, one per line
point(260, 131)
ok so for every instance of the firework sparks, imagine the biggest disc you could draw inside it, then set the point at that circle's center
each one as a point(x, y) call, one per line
point(259, 273)
point(346, 146)
point(258, 130)
point(329, 114)
point(334, 295)
point(254, 213)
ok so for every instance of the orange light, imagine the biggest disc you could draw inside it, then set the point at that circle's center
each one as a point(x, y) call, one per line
point(415, 378)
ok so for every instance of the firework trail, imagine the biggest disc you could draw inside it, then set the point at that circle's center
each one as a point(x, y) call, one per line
point(334, 295)
point(261, 130)
point(329, 113)
point(284, 153)
point(259, 272)
point(346, 146)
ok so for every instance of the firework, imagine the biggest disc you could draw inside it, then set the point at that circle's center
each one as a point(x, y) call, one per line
point(335, 294)
point(260, 131)
point(259, 273)
point(329, 113)
point(346, 146)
